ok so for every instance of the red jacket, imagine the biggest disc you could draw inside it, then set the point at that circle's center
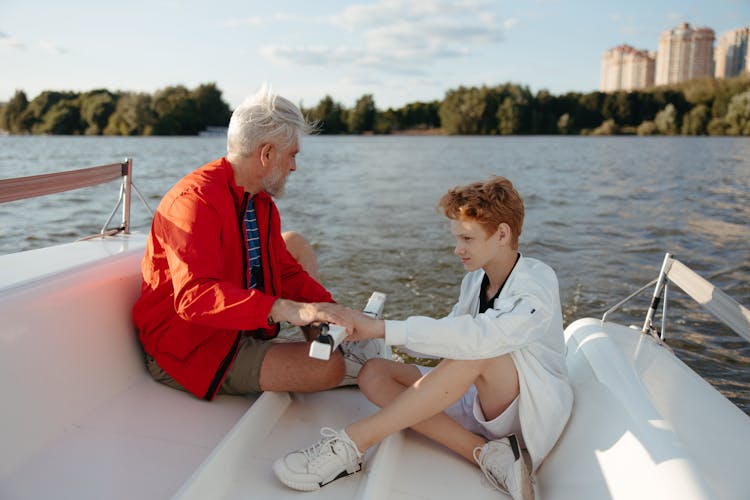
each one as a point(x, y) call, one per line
point(194, 299)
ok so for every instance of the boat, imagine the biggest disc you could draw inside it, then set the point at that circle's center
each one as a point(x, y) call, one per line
point(82, 419)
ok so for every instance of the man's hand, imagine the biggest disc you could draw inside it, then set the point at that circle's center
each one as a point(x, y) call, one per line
point(302, 313)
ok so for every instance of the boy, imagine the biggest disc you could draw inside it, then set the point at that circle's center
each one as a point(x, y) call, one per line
point(502, 382)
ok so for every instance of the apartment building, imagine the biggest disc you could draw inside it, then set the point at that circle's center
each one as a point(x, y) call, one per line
point(626, 68)
point(684, 53)
point(731, 56)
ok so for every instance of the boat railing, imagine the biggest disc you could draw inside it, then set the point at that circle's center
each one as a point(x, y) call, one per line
point(32, 186)
point(726, 309)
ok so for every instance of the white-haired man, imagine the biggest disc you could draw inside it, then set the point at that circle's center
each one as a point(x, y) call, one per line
point(218, 276)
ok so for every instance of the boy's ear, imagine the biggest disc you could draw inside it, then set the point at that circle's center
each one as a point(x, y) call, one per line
point(504, 233)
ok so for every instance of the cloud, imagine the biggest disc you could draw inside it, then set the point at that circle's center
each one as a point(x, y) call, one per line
point(10, 42)
point(52, 48)
point(311, 56)
point(511, 23)
point(245, 21)
point(401, 36)
point(255, 21)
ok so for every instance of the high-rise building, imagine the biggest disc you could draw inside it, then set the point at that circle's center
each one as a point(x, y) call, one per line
point(684, 53)
point(626, 68)
point(731, 55)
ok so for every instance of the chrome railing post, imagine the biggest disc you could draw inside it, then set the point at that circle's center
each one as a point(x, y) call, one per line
point(661, 280)
point(128, 181)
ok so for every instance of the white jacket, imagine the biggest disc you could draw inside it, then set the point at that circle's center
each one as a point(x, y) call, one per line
point(525, 321)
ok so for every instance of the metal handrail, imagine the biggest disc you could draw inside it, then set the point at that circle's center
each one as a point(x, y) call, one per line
point(32, 186)
point(726, 309)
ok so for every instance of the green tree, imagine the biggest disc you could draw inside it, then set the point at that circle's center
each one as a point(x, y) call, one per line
point(512, 116)
point(133, 116)
point(10, 117)
point(622, 107)
point(176, 112)
point(646, 128)
point(588, 112)
point(717, 126)
point(543, 119)
point(514, 112)
point(96, 108)
point(666, 120)
point(329, 115)
point(738, 115)
point(418, 115)
point(63, 118)
point(462, 110)
point(33, 116)
point(696, 121)
point(211, 108)
point(608, 127)
point(565, 124)
point(362, 117)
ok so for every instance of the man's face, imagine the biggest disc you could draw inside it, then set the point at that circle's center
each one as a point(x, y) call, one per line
point(284, 162)
point(473, 246)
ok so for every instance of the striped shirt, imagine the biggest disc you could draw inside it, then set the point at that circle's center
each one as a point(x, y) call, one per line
point(254, 264)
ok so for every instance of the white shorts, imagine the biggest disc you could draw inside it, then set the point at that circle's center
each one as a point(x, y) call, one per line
point(468, 412)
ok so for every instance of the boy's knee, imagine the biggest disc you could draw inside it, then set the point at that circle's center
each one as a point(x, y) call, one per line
point(302, 251)
point(371, 374)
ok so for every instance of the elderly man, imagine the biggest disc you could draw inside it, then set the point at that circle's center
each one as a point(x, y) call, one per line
point(219, 277)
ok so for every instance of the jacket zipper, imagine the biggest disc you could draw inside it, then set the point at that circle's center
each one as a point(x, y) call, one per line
point(268, 248)
point(224, 366)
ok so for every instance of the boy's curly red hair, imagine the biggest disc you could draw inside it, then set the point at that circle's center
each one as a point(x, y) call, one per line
point(489, 203)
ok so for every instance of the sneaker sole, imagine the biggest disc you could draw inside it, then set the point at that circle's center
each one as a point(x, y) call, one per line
point(279, 470)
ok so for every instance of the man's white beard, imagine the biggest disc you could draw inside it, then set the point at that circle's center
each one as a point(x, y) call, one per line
point(275, 182)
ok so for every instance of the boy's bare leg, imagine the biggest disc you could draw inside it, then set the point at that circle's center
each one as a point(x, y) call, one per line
point(383, 380)
point(288, 367)
point(303, 252)
point(420, 405)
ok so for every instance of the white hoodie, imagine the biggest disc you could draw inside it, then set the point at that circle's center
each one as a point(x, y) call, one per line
point(526, 321)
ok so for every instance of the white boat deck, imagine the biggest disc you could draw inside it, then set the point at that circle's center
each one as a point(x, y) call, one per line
point(619, 443)
point(83, 420)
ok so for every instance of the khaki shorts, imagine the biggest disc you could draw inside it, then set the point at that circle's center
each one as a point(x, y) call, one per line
point(243, 376)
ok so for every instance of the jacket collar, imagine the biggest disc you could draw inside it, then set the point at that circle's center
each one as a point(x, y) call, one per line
point(238, 192)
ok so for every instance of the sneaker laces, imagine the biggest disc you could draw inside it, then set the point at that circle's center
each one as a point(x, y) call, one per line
point(330, 436)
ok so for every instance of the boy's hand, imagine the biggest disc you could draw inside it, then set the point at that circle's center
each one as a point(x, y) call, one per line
point(301, 313)
point(366, 327)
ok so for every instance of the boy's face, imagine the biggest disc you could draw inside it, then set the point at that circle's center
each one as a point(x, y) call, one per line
point(474, 246)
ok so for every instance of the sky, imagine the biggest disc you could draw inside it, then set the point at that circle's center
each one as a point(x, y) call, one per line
point(397, 50)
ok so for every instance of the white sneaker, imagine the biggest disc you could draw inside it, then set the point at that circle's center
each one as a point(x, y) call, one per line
point(357, 353)
point(334, 456)
point(504, 467)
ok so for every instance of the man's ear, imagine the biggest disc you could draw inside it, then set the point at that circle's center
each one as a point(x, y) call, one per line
point(267, 152)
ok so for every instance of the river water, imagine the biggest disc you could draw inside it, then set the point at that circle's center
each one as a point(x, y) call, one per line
point(601, 211)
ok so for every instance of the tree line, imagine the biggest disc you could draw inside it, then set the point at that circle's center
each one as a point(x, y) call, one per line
point(173, 110)
point(704, 106)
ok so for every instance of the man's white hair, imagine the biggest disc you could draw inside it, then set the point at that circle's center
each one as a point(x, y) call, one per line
point(265, 117)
